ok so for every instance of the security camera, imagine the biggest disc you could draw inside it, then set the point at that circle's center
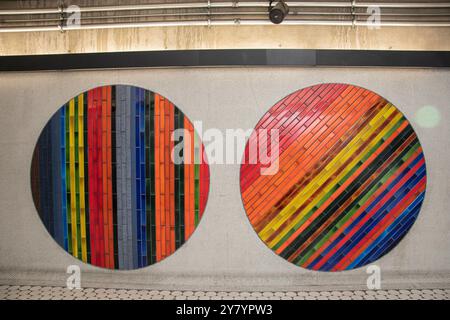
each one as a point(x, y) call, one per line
point(278, 12)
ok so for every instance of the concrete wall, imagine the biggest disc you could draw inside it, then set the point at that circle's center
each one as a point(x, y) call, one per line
point(226, 37)
point(224, 252)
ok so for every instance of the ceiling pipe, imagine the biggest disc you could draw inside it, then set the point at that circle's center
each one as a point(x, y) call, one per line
point(228, 13)
point(229, 4)
point(224, 23)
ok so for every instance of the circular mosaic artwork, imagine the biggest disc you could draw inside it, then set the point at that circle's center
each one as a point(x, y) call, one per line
point(350, 180)
point(106, 183)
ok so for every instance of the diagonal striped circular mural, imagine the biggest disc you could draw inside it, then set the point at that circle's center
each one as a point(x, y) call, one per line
point(350, 181)
point(119, 177)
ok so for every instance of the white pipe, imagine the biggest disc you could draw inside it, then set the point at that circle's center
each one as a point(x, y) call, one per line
point(411, 5)
point(223, 14)
point(228, 4)
point(228, 13)
point(223, 23)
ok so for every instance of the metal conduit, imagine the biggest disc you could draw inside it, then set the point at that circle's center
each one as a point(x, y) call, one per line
point(233, 15)
point(229, 4)
point(222, 14)
point(225, 23)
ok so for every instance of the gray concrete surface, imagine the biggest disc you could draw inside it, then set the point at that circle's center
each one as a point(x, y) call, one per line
point(224, 253)
point(62, 293)
point(225, 37)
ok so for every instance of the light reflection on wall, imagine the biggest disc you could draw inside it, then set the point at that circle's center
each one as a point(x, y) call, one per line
point(428, 117)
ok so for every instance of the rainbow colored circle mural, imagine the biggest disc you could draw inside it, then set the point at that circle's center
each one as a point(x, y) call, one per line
point(106, 183)
point(350, 182)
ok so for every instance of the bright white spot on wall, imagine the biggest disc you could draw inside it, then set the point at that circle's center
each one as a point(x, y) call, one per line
point(428, 117)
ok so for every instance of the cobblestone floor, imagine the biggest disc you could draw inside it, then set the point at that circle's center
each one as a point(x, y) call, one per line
point(61, 293)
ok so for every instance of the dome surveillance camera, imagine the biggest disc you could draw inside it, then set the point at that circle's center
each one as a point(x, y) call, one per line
point(278, 12)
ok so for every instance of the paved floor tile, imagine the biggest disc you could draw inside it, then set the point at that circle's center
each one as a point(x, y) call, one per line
point(28, 292)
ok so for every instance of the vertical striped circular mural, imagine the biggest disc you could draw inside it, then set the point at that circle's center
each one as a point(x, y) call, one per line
point(350, 182)
point(106, 183)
